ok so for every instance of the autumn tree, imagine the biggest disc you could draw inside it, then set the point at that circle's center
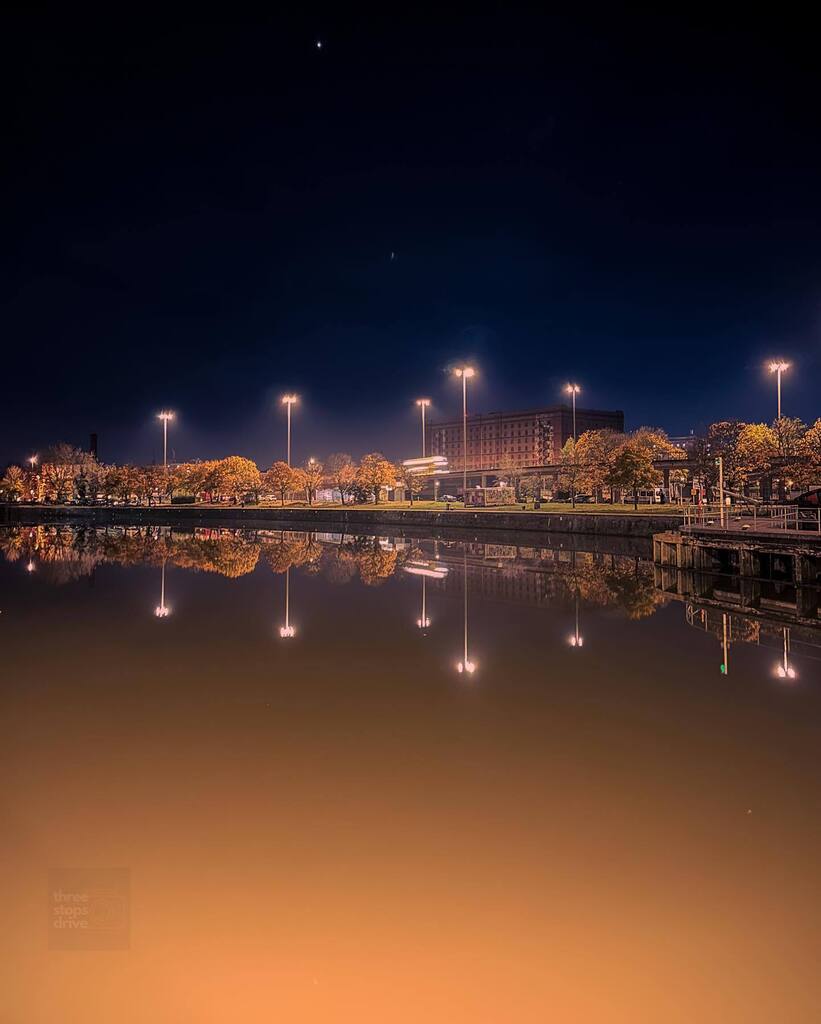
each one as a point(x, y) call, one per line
point(341, 473)
point(13, 484)
point(530, 486)
point(788, 434)
point(569, 473)
point(374, 473)
point(811, 452)
point(201, 478)
point(757, 450)
point(595, 453)
point(279, 480)
point(412, 481)
point(299, 480)
point(314, 474)
point(722, 442)
point(61, 463)
point(236, 476)
point(633, 467)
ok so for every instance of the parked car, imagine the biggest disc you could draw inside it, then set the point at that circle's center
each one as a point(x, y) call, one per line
point(448, 497)
point(584, 499)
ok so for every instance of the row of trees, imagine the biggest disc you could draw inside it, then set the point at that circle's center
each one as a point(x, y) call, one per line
point(605, 460)
point(68, 474)
point(786, 453)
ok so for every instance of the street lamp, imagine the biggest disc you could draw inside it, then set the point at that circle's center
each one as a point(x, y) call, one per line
point(573, 390)
point(465, 372)
point(778, 367)
point(32, 461)
point(423, 403)
point(165, 416)
point(288, 401)
point(785, 669)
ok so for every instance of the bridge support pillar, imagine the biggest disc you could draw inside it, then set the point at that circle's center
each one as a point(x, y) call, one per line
point(806, 597)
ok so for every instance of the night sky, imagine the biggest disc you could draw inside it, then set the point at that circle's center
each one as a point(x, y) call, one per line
point(201, 211)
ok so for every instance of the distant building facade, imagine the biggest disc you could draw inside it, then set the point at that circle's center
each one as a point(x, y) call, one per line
point(516, 440)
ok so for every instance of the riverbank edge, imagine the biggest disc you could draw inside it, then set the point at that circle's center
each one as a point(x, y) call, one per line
point(618, 525)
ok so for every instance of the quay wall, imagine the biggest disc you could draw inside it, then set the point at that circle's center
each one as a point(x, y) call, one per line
point(642, 526)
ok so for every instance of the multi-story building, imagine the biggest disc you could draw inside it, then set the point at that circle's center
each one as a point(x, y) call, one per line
point(513, 440)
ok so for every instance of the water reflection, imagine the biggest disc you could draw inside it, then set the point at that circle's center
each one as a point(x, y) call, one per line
point(288, 631)
point(487, 570)
point(785, 670)
point(162, 610)
point(314, 830)
point(466, 665)
point(510, 573)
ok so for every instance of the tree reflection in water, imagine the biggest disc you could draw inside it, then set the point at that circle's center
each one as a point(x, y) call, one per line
point(496, 572)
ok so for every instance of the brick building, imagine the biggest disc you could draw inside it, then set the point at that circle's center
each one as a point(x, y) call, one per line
point(512, 440)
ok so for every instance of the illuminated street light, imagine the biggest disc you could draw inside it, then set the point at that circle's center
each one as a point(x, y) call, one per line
point(423, 403)
point(465, 372)
point(162, 611)
point(32, 460)
point(287, 631)
point(573, 390)
point(785, 669)
point(778, 367)
point(288, 401)
point(165, 416)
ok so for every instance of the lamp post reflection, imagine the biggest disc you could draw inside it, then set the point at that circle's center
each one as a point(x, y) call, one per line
point(423, 622)
point(425, 570)
point(785, 669)
point(725, 644)
point(287, 631)
point(466, 665)
point(576, 640)
point(162, 611)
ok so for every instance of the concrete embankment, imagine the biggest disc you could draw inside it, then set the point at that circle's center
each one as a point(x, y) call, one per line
point(643, 525)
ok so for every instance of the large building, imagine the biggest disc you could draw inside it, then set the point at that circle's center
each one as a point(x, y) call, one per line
point(516, 440)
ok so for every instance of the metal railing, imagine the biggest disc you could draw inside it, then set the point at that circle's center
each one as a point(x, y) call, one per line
point(761, 518)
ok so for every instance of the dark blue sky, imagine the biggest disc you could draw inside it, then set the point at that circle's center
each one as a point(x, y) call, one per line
point(200, 214)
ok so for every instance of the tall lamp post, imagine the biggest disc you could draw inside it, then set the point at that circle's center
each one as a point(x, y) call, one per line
point(423, 403)
point(778, 367)
point(465, 372)
point(573, 390)
point(165, 416)
point(288, 401)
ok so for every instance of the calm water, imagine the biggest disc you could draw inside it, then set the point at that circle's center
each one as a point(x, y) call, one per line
point(255, 758)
